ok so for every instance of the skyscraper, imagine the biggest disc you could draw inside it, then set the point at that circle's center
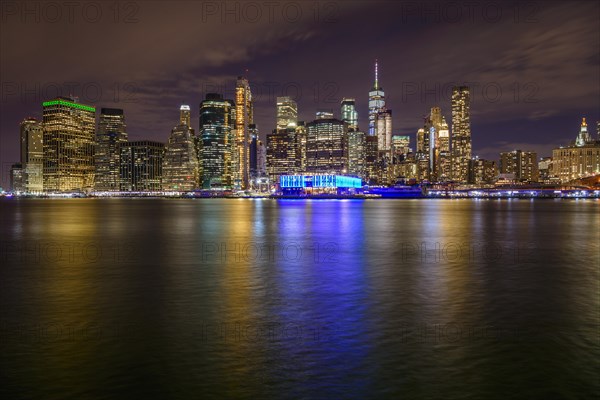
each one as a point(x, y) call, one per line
point(376, 102)
point(326, 146)
point(349, 113)
point(283, 156)
point(356, 153)
point(244, 117)
point(217, 121)
point(180, 162)
point(141, 166)
point(69, 135)
point(32, 155)
point(383, 128)
point(111, 133)
point(461, 133)
point(579, 160)
point(287, 112)
point(400, 147)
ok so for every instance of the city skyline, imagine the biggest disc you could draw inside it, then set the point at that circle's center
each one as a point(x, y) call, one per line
point(535, 110)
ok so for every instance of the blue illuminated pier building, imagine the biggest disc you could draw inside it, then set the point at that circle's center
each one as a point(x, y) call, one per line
point(319, 184)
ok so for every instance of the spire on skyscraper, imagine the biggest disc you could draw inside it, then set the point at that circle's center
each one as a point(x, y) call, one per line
point(376, 87)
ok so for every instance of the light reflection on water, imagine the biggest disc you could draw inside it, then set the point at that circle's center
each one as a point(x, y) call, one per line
point(299, 299)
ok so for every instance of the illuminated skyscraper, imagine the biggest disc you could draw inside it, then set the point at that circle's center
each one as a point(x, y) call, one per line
point(326, 146)
point(185, 116)
point(461, 133)
point(383, 125)
point(444, 162)
point(400, 147)
point(372, 162)
point(244, 117)
point(141, 166)
point(283, 156)
point(17, 179)
point(217, 121)
point(32, 155)
point(349, 114)
point(356, 153)
point(111, 133)
point(287, 112)
point(376, 102)
point(69, 136)
point(180, 162)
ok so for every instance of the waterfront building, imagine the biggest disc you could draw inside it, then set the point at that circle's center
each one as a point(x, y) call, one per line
point(461, 133)
point(32, 155)
point(216, 122)
point(326, 145)
point(482, 171)
point(110, 135)
point(244, 117)
point(141, 166)
point(68, 142)
point(180, 172)
point(356, 153)
point(579, 160)
point(17, 180)
point(521, 164)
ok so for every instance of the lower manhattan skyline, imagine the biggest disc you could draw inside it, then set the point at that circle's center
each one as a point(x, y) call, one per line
point(299, 199)
point(537, 107)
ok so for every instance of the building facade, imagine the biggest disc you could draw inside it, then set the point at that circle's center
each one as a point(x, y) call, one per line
point(217, 121)
point(141, 166)
point(32, 155)
point(461, 133)
point(579, 160)
point(522, 165)
point(326, 146)
point(180, 170)
point(244, 117)
point(68, 142)
point(110, 135)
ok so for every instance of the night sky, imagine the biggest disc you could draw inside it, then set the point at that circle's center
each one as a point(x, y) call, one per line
point(533, 66)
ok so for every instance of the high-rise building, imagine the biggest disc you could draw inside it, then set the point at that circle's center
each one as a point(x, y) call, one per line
point(141, 166)
point(579, 160)
point(400, 147)
point(522, 165)
point(356, 153)
point(110, 135)
point(301, 145)
point(244, 117)
point(69, 136)
point(376, 102)
point(17, 179)
point(372, 162)
point(444, 161)
point(383, 124)
point(32, 155)
point(180, 171)
point(482, 171)
point(217, 121)
point(349, 113)
point(185, 115)
point(287, 112)
point(281, 153)
point(461, 133)
point(326, 146)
